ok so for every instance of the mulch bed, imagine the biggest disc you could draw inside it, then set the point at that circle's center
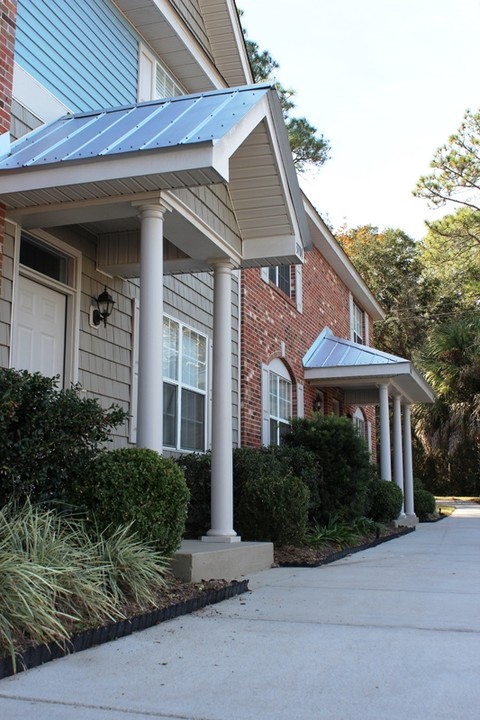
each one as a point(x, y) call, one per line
point(290, 556)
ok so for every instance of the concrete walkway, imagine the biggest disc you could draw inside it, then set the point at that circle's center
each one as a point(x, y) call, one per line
point(392, 632)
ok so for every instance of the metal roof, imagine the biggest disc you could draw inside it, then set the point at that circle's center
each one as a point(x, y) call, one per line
point(110, 159)
point(166, 123)
point(335, 362)
point(331, 351)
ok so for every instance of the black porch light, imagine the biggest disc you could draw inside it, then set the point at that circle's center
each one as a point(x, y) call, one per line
point(104, 308)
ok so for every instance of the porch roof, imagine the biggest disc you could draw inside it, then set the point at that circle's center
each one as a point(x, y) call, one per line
point(335, 362)
point(119, 155)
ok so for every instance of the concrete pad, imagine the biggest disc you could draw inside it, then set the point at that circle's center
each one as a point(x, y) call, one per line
point(387, 633)
point(195, 560)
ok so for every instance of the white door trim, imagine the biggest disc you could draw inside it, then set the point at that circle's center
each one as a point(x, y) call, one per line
point(72, 291)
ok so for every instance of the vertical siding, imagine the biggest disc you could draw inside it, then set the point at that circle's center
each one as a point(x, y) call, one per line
point(83, 51)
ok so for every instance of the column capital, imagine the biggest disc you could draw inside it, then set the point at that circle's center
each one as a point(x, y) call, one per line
point(154, 207)
point(221, 263)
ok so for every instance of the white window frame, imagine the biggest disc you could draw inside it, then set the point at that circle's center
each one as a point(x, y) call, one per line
point(360, 423)
point(357, 316)
point(275, 372)
point(336, 407)
point(178, 382)
point(151, 75)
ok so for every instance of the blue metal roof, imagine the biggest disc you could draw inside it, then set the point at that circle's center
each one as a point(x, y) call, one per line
point(166, 123)
point(331, 351)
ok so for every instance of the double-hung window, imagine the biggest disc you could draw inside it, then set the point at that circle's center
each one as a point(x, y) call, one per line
point(184, 387)
point(280, 275)
point(357, 324)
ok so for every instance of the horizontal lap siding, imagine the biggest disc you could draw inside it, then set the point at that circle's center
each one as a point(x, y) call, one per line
point(190, 12)
point(6, 293)
point(82, 51)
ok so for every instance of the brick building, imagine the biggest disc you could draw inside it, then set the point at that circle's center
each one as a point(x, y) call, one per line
point(8, 13)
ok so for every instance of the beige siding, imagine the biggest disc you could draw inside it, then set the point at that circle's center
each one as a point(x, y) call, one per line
point(214, 206)
point(6, 293)
point(190, 12)
point(22, 121)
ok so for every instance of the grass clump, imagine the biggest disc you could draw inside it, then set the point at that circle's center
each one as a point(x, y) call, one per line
point(57, 578)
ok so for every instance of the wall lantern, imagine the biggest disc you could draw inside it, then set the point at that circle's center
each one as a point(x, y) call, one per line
point(104, 308)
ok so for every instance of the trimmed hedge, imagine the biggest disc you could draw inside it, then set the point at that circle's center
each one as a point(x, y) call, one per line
point(385, 501)
point(273, 508)
point(424, 503)
point(138, 486)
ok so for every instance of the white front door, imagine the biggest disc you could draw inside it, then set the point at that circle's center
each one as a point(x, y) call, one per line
point(39, 333)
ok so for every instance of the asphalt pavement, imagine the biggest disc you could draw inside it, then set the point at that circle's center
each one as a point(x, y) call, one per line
point(391, 632)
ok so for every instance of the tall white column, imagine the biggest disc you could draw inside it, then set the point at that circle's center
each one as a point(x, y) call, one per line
point(150, 355)
point(397, 446)
point(222, 463)
point(407, 461)
point(385, 461)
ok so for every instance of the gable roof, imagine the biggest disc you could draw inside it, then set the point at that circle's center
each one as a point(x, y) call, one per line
point(235, 136)
point(335, 362)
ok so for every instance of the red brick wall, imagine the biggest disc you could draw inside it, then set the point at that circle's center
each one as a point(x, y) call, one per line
point(269, 318)
point(8, 14)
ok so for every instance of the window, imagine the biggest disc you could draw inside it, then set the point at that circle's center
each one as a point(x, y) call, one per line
point(280, 276)
point(363, 427)
point(357, 324)
point(154, 81)
point(276, 402)
point(184, 387)
point(336, 408)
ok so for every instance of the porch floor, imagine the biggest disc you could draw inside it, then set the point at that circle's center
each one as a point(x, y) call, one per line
point(196, 560)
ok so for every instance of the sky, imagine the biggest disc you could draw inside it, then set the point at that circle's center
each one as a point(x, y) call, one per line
point(386, 82)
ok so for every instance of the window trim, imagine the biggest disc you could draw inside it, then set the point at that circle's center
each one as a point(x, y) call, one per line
point(134, 383)
point(148, 66)
point(357, 321)
point(278, 369)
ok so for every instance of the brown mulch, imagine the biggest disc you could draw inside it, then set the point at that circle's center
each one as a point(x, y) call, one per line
point(311, 556)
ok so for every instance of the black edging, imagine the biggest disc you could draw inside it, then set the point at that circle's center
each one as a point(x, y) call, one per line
point(348, 551)
point(97, 636)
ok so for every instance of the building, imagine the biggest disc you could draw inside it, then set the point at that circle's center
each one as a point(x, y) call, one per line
point(148, 153)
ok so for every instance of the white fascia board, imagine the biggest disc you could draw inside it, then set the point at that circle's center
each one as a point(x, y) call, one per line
point(239, 40)
point(35, 97)
point(283, 153)
point(385, 372)
point(272, 247)
point(341, 263)
point(130, 165)
point(167, 9)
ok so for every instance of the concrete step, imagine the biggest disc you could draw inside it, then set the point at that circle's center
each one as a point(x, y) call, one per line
point(196, 560)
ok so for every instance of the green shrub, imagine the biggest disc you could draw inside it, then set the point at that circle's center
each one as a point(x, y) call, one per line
point(273, 508)
point(343, 461)
point(48, 437)
point(197, 468)
point(385, 501)
point(138, 486)
point(424, 503)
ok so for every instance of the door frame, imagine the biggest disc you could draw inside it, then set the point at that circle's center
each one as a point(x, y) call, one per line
point(72, 291)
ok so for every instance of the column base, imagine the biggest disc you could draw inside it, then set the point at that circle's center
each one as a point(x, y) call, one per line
point(221, 538)
point(406, 521)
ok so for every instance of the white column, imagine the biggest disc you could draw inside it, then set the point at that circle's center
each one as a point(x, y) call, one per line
point(222, 464)
point(407, 461)
point(397, 446)
point(150, 355)
point(385, 461)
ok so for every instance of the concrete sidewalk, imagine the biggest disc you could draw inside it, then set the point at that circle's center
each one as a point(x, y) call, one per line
point(392, 632)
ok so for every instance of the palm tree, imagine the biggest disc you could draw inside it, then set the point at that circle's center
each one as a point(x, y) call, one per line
point(449, 430)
